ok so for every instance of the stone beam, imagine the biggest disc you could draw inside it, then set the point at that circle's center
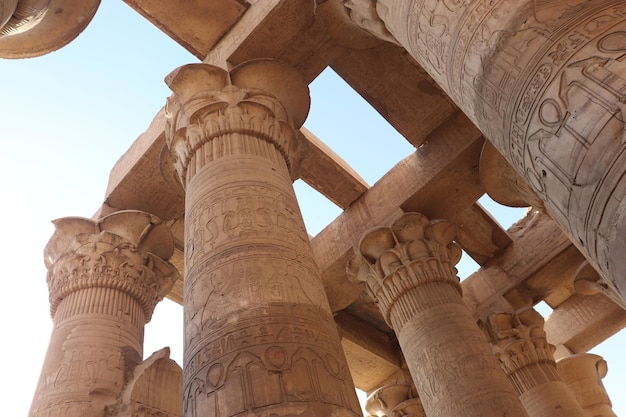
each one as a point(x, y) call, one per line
point(283, 30)
point(537, 240)
point(197, 25)
point(545, 83)
point(325, 171)
point(396, 86)
point(450, 155)
point(372, 355)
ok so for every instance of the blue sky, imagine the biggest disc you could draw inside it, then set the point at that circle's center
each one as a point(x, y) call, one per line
point(66, 118)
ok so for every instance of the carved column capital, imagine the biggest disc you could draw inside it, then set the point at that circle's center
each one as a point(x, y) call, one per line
point(125, 251)
point(583, 373)
point(396, 397)
point(412, 252)
point(214, 113)
point(519, 341)
point(369, 16)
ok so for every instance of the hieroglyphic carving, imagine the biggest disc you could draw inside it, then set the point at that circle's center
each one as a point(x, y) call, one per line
point(280, 353)
point(259, 336)
point(546, 82)
point(105, 278)
point(236, 213)
point(409, 268)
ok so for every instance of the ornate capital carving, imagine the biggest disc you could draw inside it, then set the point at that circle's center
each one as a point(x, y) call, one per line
point(218, 113)
point(126, 251)
point(369, 16)
point(412, 252)
point(519, 341)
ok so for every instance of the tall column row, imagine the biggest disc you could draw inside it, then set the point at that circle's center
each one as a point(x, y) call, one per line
point(259, 333)
point(546, 83)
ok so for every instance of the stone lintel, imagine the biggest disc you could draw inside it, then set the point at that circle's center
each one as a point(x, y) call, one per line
point(196, 26)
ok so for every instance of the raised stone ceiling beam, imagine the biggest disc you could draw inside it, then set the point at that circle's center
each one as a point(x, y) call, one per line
point(288, 31)
point(545, 82)
point(394, 84)
point(372, 355)
point(537, 240)
point(197, 25)
point(450, 155)
point(326, 172)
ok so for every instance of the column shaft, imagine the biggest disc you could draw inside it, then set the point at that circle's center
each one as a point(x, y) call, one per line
point(105, 279)
point(410, 270)
point(259, 334)
point(527, 359)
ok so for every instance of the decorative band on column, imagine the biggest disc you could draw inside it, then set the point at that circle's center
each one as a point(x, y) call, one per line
point(520, 343)
point(583, 373)
point(414, 252)
point(214, 113)
point(124, 252)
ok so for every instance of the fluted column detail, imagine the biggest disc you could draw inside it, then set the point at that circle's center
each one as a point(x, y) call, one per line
point(583, 373)
point(409, 269)
point(259, 333)
point(105, 277)
point(519, 342)
point(544, 81)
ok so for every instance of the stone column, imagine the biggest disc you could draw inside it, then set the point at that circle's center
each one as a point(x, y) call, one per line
point(259, 333)
point(520, 344)
point(583, 373)
point(409, 268)
point(396, 397)
point(545, 81)
point(105, 277)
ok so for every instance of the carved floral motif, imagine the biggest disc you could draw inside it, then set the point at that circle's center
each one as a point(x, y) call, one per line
point(412, 252)
point(125, 251)
point(216, 113)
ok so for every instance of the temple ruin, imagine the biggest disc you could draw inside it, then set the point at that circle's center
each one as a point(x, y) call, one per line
point(522, 100)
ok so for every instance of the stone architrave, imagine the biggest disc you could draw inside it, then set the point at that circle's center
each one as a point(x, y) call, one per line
point(105, 277)
point(519, 342)
point(396, 397)
point(583, 373)
point(545, 81)
point(409, 269)
point(259, 333)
